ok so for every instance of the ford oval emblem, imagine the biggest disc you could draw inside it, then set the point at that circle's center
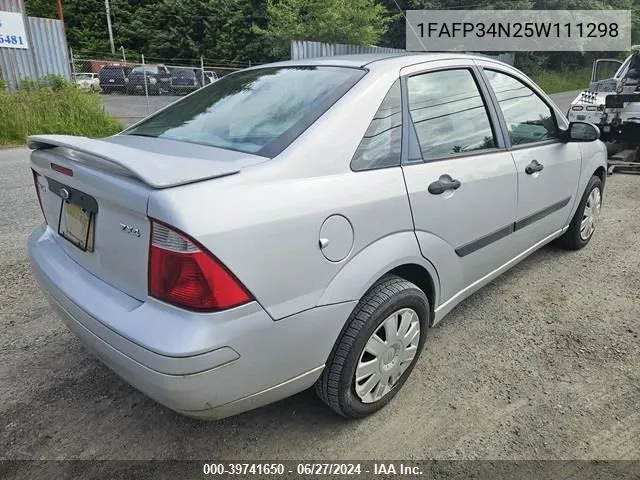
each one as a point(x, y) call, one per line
point(64, 193)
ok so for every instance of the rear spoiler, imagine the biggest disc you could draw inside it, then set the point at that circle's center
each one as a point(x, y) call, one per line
point(154, 169)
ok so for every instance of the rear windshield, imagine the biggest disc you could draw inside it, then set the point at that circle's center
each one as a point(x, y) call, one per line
point(254, 111)
point(183, 73)
point(143, 69)
point(111, 70)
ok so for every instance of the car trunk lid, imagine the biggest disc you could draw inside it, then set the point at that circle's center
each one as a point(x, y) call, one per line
point(155, 162)
point(94, 195)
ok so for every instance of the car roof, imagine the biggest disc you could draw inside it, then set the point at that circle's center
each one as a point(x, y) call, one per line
point(384, 60)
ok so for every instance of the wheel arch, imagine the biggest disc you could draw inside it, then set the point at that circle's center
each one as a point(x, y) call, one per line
point(398, 254)
point(421, 278)
point(594, 162)
point(601, 173)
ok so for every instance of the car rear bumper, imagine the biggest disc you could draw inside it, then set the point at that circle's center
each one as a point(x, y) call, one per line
point(207, 366)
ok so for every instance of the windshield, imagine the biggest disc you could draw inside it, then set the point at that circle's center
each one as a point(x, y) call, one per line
point(84, 76)
point(254, 111)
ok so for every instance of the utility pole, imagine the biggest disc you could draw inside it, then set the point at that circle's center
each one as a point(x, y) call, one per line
point(106, 6)
point(60, 15)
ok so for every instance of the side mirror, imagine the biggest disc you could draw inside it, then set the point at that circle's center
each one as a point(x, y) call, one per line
point(581, 132)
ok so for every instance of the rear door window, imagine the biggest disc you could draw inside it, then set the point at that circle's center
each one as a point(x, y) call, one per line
point(449, 114)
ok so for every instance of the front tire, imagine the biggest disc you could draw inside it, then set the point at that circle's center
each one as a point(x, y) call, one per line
point(584, 221)
point(377, 350)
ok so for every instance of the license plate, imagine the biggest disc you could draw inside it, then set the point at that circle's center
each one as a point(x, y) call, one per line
point(111, 80)
point(139, 87)
point(76, 225)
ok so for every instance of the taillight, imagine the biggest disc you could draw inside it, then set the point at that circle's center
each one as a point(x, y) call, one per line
point(36, 183)
point(185, 274)
point(577, 107)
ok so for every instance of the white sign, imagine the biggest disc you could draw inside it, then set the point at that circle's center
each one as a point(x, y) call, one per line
point(12, 31)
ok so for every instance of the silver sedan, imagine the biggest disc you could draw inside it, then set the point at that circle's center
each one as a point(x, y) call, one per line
point(304, 223)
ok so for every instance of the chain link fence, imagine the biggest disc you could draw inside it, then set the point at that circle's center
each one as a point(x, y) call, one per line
point(134, 86)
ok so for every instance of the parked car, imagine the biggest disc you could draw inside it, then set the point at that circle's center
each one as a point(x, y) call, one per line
point(87, 81)
point(184, 80)
point(112, 78)
point(304, 223)
point(210, 76)
point(157, 77)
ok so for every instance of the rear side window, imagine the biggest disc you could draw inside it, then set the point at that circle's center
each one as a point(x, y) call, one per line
point(448, 113)
point(254, 111)
point(381, 145)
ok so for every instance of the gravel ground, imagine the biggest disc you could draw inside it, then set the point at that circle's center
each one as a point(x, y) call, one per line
point(543, 363)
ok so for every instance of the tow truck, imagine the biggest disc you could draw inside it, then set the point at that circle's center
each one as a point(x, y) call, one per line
point(613, 104)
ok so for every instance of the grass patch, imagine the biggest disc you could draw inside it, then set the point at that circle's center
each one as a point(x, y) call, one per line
point(556, 82)
point(63, 110)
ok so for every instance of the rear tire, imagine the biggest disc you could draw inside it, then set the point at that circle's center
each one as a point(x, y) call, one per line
point(377, 349)
point(584, 221)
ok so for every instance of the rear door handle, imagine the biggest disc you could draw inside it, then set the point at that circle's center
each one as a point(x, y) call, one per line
point(444, 183)
point(533, 167)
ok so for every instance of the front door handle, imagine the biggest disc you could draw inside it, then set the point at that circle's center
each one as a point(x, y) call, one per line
point(444, 183)
point(533, 167)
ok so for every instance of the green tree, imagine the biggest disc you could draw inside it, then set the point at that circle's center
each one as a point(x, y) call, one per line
point(360, 22)
point(221, 30)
